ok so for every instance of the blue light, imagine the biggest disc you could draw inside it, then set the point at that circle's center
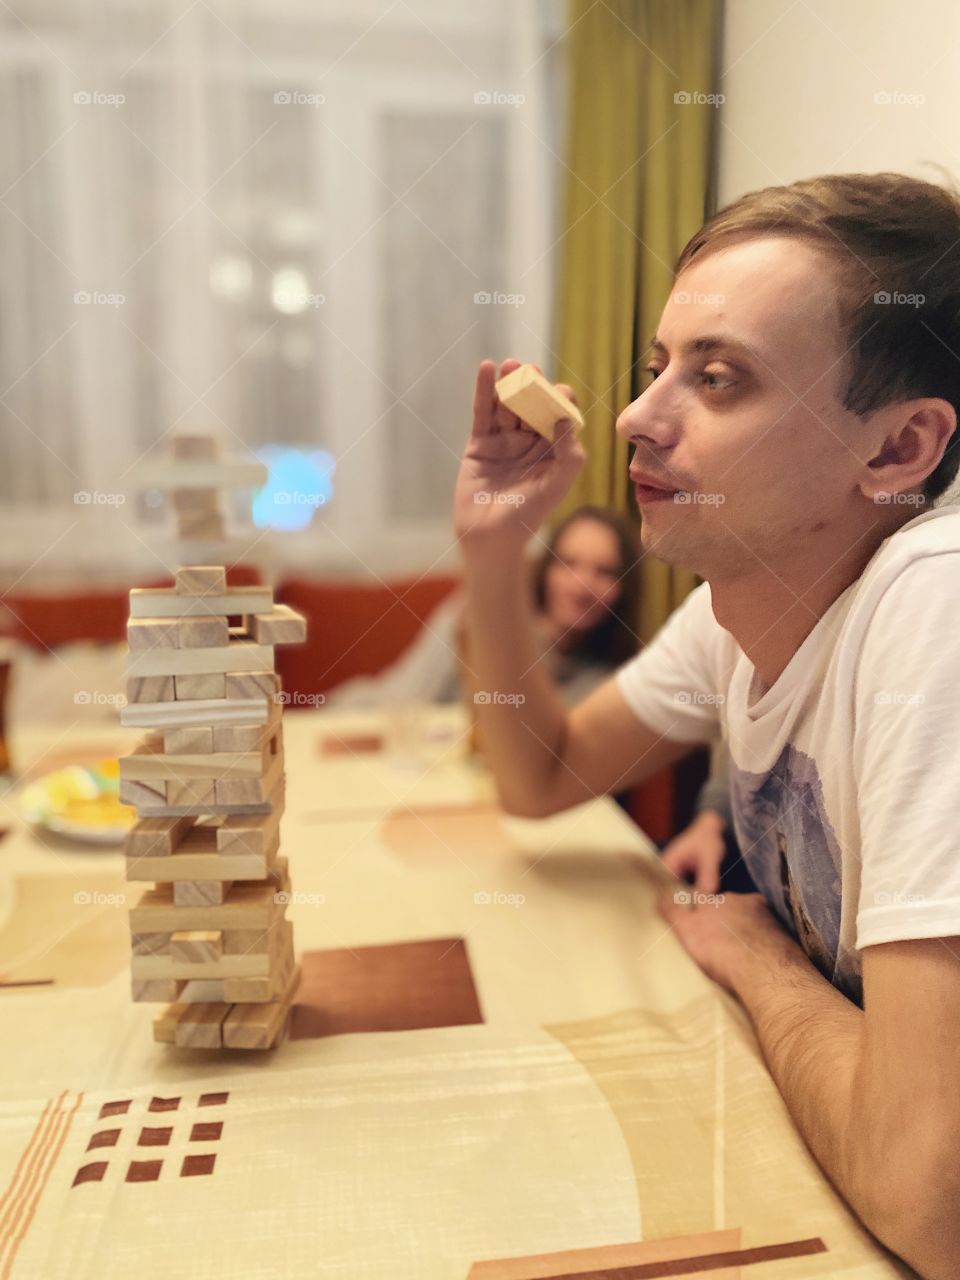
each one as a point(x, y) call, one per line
point(299, 483)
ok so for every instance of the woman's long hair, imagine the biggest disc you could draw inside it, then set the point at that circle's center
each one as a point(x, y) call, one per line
point(614, 638)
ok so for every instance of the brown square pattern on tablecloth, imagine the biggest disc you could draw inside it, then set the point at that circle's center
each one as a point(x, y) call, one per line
point(403, 986)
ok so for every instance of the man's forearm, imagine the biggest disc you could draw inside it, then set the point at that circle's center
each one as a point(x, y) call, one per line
point(520, 716)
point(812, 1039)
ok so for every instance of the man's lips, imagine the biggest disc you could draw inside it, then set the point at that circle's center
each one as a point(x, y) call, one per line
point(650, 490)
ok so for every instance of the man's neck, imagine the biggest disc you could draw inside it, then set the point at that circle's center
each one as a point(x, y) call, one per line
point(771, 611)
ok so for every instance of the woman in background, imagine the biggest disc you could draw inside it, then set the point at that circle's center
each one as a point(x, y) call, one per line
point(586, 593)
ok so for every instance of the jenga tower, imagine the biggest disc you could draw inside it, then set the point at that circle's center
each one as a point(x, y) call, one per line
point(208, 784)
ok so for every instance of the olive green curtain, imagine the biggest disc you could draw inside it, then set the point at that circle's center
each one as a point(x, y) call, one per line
point(641, 149)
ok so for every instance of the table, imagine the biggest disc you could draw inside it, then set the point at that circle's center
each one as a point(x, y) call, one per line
point(501, 1063)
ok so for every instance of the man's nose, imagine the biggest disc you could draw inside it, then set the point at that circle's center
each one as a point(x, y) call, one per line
point(649, 419)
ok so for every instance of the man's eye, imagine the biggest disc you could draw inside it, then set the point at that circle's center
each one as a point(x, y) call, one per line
point(652, 371)
point(716, 381)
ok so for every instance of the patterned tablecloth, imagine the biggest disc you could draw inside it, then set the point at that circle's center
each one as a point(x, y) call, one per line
point(500, 1063)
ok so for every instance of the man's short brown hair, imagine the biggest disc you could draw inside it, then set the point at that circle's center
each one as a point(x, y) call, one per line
point(896, 243)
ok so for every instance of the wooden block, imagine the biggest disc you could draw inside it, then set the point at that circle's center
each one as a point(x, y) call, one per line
point(150, 944)
point(166, 602)
point(252, 835)
point(202, 991)
point(193, 741)
point(197, 793)
point(200, 688)
point(252, 684)
point(204, 866)
point(536, 401)
point(194, 444)
point(203, 711)
point(155, 837)
point(246, 908)
point(242, 942)
point(249, 737)
point(281, 626)
point(201, 894)
point(147, 795)
point(194, 501)
point(165, 1025)
point(202, 633)
point(149, 689)
point(196, 946)
point(201, 526)
point(156, 968)
point(248, 790)
point(146, 990)
point(152, 633)
point(259, 1026)
point(241, 655)
point(201, 474)
point(200, 1026)
point(178, 768)
point(200, 579)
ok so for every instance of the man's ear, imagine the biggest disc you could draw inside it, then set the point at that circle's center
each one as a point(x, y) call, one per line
point(915, 437)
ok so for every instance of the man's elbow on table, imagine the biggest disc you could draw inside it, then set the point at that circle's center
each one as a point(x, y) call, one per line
point(914, 1207)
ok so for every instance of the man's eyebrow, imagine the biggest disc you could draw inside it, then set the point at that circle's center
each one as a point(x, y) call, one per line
point(709, 342)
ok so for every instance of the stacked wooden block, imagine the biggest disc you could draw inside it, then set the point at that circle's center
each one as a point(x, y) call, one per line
point(208, 784)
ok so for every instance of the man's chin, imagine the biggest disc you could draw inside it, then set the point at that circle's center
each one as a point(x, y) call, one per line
point(665, 545)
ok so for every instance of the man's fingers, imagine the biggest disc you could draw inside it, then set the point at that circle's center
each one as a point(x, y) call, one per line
point(503, 418)
point(484, 398)
point(568, 391)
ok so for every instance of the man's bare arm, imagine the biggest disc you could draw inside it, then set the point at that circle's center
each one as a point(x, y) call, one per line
point(873, 1093)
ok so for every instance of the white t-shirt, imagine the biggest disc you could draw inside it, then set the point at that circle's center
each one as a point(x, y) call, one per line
point(844, 773)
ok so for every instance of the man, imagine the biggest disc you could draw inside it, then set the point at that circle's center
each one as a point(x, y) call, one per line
point(799, 424)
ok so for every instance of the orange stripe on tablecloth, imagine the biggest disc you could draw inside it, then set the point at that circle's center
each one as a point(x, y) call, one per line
point(12, 1193)
point(27, 1214)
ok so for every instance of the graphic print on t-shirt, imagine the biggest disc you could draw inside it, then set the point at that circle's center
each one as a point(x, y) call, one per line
point(791, 850)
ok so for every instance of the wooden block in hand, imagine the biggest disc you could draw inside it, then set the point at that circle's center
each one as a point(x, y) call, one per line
point(536, 401)
point(199, 579)
point(195, 946)
point(202, 633)
point(201, 688)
